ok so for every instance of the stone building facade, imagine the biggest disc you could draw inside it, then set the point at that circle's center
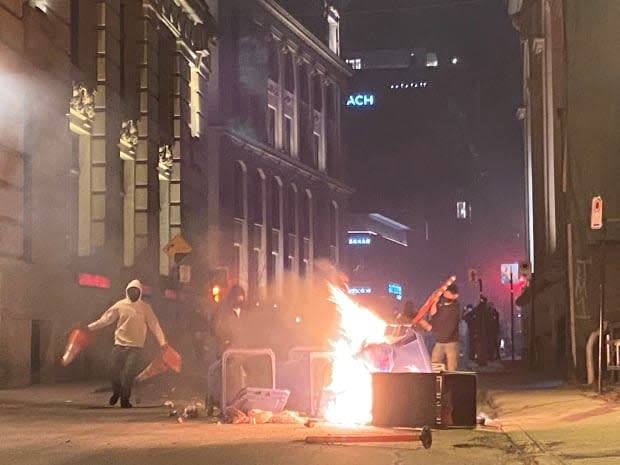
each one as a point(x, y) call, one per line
point(125, 124)
point(276, 200)
point(103, 115)
point(570, 141)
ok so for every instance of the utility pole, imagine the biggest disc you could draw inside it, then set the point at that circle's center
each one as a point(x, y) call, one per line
point(512, 318)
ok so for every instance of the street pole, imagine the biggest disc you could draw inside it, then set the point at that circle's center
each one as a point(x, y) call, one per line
point(512, 318)
point(480, 289)
point(601, 315)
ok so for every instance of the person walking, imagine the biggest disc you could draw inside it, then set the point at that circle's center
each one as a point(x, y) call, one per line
point(444, 325)
point(132, 317)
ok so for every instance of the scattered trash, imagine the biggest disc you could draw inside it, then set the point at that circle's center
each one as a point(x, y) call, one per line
point(289, 417)
point(483, 420)
point(191, 411)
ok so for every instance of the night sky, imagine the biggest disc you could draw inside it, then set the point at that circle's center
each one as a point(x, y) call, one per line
point(413, 164)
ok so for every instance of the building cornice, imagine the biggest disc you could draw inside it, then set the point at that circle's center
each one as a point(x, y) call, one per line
point(188, 20)
point(267, 154)
point(308, 38)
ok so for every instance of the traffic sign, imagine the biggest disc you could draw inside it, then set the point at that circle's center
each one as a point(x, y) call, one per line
point(596, 213)
point(509, 272)
point(176, 245)
point(185, 273)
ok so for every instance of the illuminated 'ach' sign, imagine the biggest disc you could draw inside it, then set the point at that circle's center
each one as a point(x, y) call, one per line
point(361, 100)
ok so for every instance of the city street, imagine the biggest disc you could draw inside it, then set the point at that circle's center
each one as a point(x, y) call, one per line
point(68, 424)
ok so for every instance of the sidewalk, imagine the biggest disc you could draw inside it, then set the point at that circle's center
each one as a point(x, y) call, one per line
point(551, 422)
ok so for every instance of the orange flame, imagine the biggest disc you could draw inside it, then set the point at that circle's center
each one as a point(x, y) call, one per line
point(351, 385)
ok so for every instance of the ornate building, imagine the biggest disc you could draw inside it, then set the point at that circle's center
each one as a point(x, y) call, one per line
point(103, 122)
point(107, 157)
point(275, 156)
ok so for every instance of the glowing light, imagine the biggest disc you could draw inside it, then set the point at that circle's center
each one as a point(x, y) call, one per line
point(93, 280)
point(359, 240)
point(359, 290)
point(216, 293)
point(455, 60)
point(350, 391)
point(297, 319)
point(361, 100)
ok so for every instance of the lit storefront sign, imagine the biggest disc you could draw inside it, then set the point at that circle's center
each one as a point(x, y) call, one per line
point(396, 290)
point(360, 290)
point(359, 240)
point(93, 280)
point(361, 100)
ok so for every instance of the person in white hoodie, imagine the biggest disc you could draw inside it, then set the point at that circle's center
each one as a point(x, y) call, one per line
point(132, 316)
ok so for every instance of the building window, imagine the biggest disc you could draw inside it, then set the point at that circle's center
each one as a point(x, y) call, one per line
point(271, 126)
point(290, 227)
point(239, 191)
point(289, 72)
point(303, 83)
point(258, 193)
point(334, 232)
point(287, 142)
point(276, 204)
point(194, 102)
point(317, 93)
point(316, 149)
point(274, 65)
point(461, 210)
point(431, 60)
point(355, 63)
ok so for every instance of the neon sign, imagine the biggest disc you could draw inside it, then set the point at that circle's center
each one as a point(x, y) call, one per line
point(396, 290)
point(360, 290)
point(361, 100)
point(359, 240)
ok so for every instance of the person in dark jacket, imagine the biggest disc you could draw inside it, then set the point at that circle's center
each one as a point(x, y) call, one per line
point(444, 324)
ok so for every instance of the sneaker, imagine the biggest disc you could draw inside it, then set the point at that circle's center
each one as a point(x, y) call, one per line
point(114, 398)
point(125, 403)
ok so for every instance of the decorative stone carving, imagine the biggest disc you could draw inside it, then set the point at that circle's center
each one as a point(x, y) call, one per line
point(83, 101)
point(128, 139)
point(166, 162)
point(129, 133)
point(538, 45)
point(189, 21)
point(81, 109)
point(272, 88)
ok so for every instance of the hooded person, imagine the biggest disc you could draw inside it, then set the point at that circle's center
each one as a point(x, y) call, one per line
point(132, 317)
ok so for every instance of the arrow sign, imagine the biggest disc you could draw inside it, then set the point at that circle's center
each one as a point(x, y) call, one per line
point(176, 245)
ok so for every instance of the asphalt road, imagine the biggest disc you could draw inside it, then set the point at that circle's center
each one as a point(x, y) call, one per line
point(39, 434)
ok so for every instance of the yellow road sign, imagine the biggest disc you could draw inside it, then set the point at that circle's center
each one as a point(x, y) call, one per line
point(176, 245)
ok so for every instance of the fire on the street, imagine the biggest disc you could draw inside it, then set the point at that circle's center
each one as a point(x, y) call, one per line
point(350, 391)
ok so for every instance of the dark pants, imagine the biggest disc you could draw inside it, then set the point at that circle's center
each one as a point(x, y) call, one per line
point(126, 363)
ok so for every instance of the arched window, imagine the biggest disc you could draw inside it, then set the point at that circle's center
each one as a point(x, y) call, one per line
point(239, 189)
point(274, 65)
point(291, 209)
point(258, 192)
point(305, 221)
point(303, 83)
point(275, 201)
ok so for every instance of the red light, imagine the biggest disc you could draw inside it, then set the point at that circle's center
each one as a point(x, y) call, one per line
point(93, 280)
